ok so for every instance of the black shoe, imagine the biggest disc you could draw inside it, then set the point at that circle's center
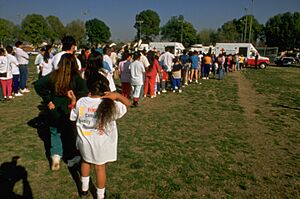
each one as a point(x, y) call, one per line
point(84, 194)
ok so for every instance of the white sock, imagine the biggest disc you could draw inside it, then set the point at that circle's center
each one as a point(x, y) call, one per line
point(100, 193)
point(85, 183)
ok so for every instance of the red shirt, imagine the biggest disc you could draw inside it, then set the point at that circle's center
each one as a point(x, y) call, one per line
point(156, 68)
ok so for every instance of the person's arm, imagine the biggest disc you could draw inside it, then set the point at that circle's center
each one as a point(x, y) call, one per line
point(118, 97)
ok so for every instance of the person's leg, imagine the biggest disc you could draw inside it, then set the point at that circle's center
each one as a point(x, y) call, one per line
point(16, 83)
point(196, 76)
point(4, 86)
point(101, 180)
point(152, 86)
point(173, 84)
point(146, 86)
point(192, 75)
point(23, 75)
point(9, 87)
point(85, 176)
point(56, 150)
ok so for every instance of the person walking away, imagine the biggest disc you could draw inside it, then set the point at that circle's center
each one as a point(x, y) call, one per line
point(137, 71)
point(176, 75)
point(97, 138)
point(6, 77)
point(53, 89)
point(23, 59)
point(14, 64)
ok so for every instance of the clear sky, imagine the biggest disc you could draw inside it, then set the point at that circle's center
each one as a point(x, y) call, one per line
point(119, 15)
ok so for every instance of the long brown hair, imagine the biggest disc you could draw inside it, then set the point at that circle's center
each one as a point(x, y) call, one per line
point(98, 85)
point(67, 68)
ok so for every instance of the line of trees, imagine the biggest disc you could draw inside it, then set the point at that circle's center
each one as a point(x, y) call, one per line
point(282, 30)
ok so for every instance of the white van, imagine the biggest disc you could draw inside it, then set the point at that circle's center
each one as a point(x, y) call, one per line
point(175, 47)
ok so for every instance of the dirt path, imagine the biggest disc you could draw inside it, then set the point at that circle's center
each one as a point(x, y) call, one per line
point(265, 155)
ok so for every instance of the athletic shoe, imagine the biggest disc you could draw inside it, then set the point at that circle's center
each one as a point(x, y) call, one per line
point(158, 92)
point(180, 91)
point(196, 81)
point(74, 161)
point(25, 90)
point(164, 91)
point(55, 162)
point(18, 94)
point(10, 97)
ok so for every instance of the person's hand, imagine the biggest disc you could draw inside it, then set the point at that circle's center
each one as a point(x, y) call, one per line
point(71, 95)
point(51, 106)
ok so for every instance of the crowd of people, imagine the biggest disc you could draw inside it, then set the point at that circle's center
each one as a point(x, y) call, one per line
point(81, 89)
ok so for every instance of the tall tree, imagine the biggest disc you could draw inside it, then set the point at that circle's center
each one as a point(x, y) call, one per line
point(177, 29)
point(283, 31)
point(76, 29)
point(56, 28)
point(97, 31)
point(8, 32)
point(34, 29)
point(147, 25)
point(205, 36)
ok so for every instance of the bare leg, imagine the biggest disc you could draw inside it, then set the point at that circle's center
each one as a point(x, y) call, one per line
point(101, 176)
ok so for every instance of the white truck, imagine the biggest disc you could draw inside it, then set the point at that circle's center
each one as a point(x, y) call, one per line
point(245, 49)
point(175, 47)
point(201, 48)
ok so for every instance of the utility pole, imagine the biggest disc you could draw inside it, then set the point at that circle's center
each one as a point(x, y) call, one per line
point(250, 31)
point(246, 23)
point(140, 26)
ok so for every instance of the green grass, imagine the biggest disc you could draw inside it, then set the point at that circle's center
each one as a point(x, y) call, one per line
point(197, 144)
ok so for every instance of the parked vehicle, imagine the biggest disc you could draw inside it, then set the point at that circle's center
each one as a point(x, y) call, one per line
point(201, 48)
point(286, 61)
point(175, 47)
point(246, 49)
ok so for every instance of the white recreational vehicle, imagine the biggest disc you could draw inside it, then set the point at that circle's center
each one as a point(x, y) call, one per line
point(175, 47)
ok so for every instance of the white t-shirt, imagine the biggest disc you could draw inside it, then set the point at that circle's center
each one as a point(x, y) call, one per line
point(46, 67)
point(4, 67)
point(57, 57)
point(95, 148)
point(167, 59)
point(38, 60)
point(22, 56)
point(13, 63)
point(145, 61)
point(137, 71)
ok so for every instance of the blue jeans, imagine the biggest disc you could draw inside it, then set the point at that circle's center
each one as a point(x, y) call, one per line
point(176, 82)
point(56, 143)
point(23, 75)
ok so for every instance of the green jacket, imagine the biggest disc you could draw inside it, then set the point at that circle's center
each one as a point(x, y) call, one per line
point(45, 89)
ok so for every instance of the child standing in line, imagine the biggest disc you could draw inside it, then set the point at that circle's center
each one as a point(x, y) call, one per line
point(137, 71)
point(97, 138)
point(176, 75)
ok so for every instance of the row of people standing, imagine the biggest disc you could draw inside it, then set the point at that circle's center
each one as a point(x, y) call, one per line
point(13, 71)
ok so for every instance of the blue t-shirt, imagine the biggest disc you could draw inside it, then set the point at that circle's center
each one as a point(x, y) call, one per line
point(184, 59)
point(195, 61)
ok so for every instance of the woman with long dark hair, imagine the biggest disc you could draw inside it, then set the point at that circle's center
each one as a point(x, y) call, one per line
point(53, 88)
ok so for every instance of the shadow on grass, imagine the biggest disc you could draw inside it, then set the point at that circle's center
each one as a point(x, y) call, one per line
point(10, 174)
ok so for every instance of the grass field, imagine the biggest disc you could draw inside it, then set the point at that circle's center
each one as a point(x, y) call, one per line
point(237, 138)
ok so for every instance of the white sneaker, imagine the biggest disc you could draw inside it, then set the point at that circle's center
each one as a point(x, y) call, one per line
point(25, 90)
point(55, 162)
point(163, 91)
point(18, 94)
point(196, 81)
point(180, 91)
point(173, 91)
point(10, 97)
point(74, 161)
point(158, 92)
